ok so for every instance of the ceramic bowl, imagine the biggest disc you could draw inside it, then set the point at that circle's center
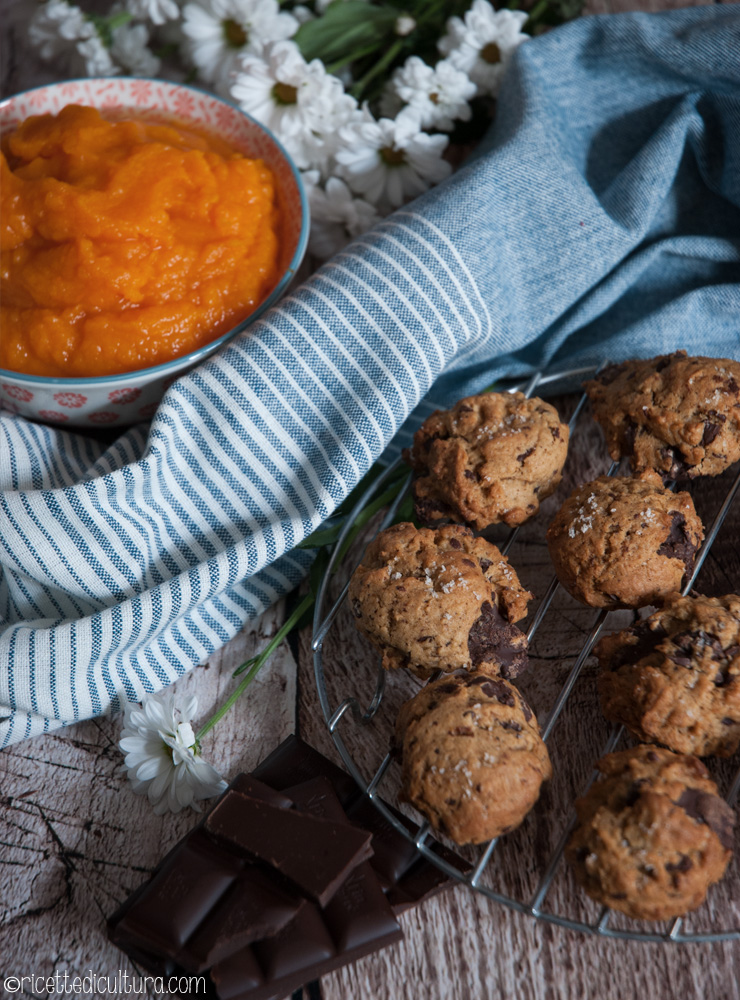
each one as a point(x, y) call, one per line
point(134, 396)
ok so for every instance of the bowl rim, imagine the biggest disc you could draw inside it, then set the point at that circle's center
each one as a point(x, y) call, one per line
point(186, 361)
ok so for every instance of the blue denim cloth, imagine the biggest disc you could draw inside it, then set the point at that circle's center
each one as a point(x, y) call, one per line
point(600, 218)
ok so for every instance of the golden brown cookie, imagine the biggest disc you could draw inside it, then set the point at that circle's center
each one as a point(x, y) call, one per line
point(490, 458)
point(652, 834)
point(440, 599)
point(624, 542)
point(473, 759)
point(675, 414)
point(674, 678)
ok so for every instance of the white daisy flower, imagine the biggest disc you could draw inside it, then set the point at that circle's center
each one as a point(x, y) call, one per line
point(61, 31)
point(300, 102)
point(156, 11)
point(440, 93)
point(162, 758)
point(129, 49)
point(390, 160)
point(337, 216)
point(220, 31)
point(96, 57)
point(302, 14)
point(404, 25)
point(482, 43)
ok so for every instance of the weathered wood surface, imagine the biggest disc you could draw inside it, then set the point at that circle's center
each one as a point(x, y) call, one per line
point(74, 840)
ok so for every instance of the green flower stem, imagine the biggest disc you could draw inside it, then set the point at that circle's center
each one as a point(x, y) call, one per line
point(536, 13)
point(380, 67)
point(255, 663)
point(327, 536)
point(385, 498)
point(353, 57)
point(318, 540)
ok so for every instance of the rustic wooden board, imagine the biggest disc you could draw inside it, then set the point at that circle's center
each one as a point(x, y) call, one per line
point(75, 841)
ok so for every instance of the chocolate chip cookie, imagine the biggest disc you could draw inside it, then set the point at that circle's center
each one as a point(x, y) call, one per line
point(652, 834)
point(490, 458)
point(473, 760)
point(440, 599)
point(674, 678)
point(624, 542)
point(675, 414)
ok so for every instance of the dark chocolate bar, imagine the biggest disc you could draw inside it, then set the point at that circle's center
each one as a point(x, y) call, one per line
point(253, 908)
point(314, 853)
point(406, 875)
point(203, 903)
point(357, 921)
point(211, 904)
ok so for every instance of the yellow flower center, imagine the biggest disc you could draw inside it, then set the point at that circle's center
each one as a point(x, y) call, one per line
point(392, 157)
point(491, 53)
point(284, 93)
point(234, 34)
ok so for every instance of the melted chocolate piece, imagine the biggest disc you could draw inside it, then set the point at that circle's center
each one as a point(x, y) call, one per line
point(684, 865)
point(499, 691)
point(448, 688)
point(679, 468)
point(630, 433)
point(493, 640)
point(431, 512)
point(712, 810)
point(711, 430)
point(511, 724)
point(691, 645)
point(524, 456)
point(633, 792)
point(648, 640)
point(609, 374)
point(678, 545)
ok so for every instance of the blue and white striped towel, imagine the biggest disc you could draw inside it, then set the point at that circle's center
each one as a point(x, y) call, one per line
point(602, 217)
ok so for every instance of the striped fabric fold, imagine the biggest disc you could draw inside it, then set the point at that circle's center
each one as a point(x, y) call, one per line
point(566, 239)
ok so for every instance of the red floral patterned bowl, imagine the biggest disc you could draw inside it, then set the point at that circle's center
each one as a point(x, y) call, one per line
point(118, 400)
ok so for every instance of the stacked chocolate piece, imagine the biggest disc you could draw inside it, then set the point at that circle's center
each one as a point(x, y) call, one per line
point(292, 874)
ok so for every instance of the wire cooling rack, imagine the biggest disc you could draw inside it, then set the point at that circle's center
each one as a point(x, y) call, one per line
point(544, 868)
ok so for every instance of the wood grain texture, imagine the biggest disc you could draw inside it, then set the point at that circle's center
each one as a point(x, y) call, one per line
point(75, 840)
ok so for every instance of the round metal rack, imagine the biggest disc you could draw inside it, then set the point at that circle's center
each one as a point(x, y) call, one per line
point(350, 711)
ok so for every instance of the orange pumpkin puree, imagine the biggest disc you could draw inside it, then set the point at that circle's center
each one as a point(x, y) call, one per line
point(126, 243)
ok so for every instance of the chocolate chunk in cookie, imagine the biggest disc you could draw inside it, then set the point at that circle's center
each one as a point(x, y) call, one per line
point(440, 599)
point(491, 458)
point(473, 760)
point(675, 414)
point(652, 834)
point(624, 542)
point(675, 677)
